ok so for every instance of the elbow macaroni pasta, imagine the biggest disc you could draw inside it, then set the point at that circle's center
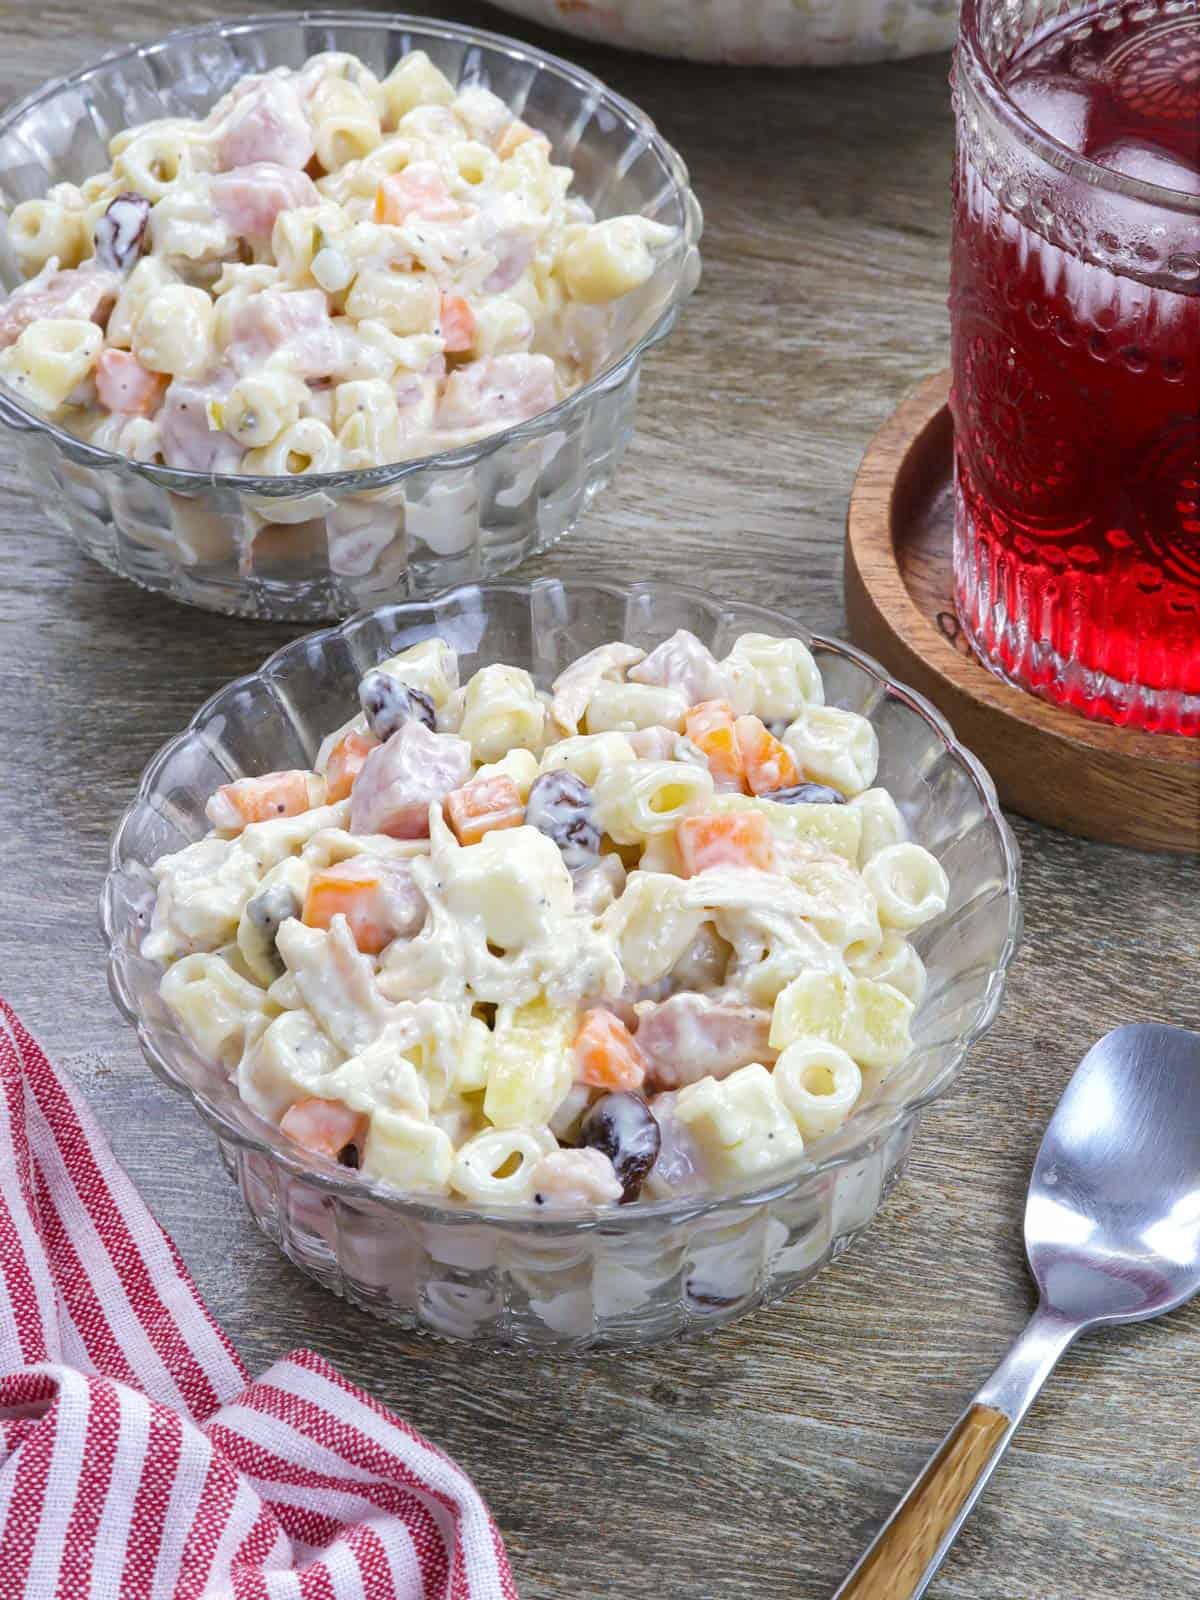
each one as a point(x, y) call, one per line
point(491, 941)
point(319, 228)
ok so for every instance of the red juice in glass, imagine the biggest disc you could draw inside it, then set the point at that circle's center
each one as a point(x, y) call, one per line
point(1075, 304)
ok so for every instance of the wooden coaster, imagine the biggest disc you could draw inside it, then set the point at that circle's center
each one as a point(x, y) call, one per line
point(1090, 778)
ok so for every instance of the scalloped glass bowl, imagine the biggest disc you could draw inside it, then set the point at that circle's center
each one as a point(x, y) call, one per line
point(645, 1272)
point(324, 546)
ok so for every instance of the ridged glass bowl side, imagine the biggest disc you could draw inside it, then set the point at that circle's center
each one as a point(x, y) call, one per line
point(331, 544)
point(648, 1271)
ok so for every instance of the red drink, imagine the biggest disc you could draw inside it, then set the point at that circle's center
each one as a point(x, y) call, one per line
point(1076, 349)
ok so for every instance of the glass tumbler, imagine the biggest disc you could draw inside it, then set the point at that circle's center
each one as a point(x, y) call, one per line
point(1075, 307)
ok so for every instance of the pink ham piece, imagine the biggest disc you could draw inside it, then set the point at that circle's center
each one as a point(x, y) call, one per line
point(691, 1036)
point(249, 199)
point(185, 438)
point(87, 292)
point(267, 123)
point(497, 389)
point(124, 385)
point(683, 662)
point(402, 778)
point(294, 323)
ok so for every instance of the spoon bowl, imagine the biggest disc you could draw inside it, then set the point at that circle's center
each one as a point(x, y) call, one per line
point(1112, 1223)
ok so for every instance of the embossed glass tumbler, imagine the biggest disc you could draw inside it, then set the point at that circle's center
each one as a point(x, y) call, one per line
point(1075, 308)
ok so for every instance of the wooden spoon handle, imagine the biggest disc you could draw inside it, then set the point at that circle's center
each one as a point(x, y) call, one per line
point(898, 1561)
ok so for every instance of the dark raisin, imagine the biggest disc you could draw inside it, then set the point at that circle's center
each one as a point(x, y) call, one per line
point(388, 704)
point(348, 1156)
point(560, 806)
point(121, 232)
point(623, 1127)
point(806, 794)
point(268, 910)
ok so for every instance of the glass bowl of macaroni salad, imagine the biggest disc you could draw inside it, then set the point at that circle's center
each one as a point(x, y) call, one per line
point(562, 963)
point(308, 312)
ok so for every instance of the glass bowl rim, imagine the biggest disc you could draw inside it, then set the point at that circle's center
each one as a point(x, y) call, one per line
point(350, 1186)
point(985, 80)
point(17, 416)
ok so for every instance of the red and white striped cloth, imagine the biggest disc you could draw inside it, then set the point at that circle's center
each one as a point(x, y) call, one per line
point(136, 1457)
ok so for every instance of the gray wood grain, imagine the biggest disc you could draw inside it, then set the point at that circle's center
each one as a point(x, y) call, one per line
point(757, 1463)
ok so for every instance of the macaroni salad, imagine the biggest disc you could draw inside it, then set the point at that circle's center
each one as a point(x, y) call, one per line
point(328, 272)
point(645, 933)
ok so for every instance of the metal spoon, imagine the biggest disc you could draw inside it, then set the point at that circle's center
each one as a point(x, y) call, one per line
point(1112, 1231)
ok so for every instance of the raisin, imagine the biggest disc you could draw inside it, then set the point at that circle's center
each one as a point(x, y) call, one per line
point(268, 910)
point(560, 806)
point(121, 232)
point(623, 1127)
point(388, 704)
point(806, 794)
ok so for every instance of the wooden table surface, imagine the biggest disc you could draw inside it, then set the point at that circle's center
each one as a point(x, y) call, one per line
point(758, 1462)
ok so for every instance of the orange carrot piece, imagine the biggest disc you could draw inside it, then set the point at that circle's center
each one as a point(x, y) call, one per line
point(355, 890)
point(458, 324)
point(482, 806)
point(607, 1054)
point(418, 191)
point(710, 727)
point(728, 839)
point(768, 763)
point(346, 762)
point(325, 1127)
point(275, 794)
point(515, 135)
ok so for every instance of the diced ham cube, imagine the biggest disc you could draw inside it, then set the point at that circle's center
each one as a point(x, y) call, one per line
point(508, 388)
point(249, 199)
point(124, 385)
point(513, 252)
point(292, 322)
point(87, 292)
point(691, 1036)
point(186, 438)
point(267, 123)
point(401, 779)
point(682, 662)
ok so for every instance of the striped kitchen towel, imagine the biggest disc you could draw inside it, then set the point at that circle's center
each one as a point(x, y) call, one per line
point(137, 1459)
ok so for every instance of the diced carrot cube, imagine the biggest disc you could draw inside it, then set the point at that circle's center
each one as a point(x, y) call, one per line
point(418, 191)
point(325, 1127)
point(607, 1054)
point(482, 806)
point(515, 135)
point(728, 839)
point(458, 324)
point(276, 794)
point(355, 890)
point(125, 386)
point(346, 762)
point(710, 727)
point(768, 763)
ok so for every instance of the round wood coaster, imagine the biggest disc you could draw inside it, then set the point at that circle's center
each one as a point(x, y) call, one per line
point(1090, 778)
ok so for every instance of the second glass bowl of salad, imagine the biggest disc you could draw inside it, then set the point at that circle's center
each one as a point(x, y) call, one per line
point(629, 1275)
point(325, 545)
